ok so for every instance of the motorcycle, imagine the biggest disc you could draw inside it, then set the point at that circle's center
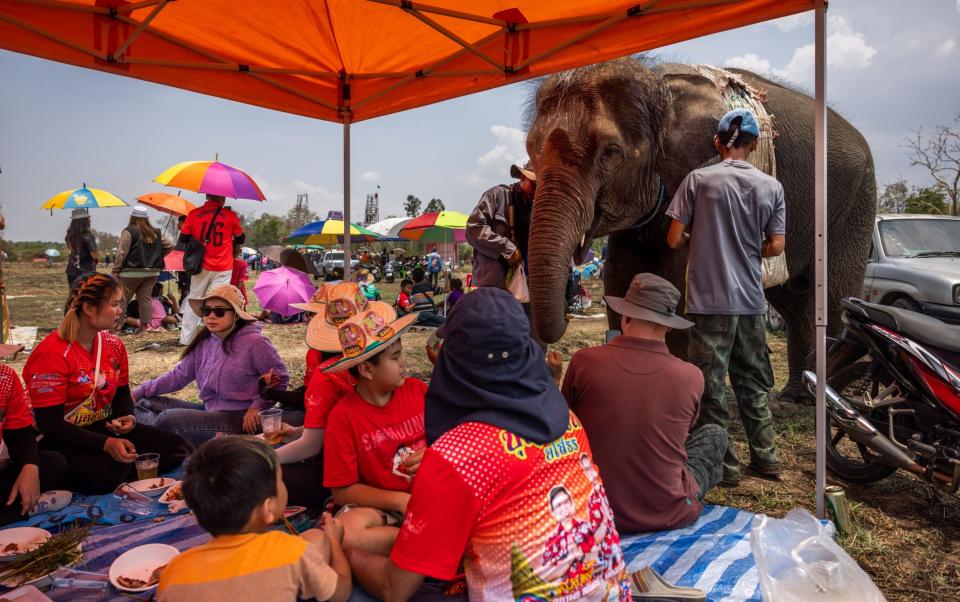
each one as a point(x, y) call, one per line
point(893, 396)
point(389, 275)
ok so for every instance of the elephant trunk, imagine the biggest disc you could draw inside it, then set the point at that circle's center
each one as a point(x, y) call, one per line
point(563, 211)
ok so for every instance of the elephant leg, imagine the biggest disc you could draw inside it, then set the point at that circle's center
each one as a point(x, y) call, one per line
point(798, 315)
point(626, 257)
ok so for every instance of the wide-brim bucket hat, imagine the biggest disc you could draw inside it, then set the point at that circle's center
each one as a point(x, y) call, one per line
point(318, 302)
point(343, 301)
point(365, 335)
point(228, 293)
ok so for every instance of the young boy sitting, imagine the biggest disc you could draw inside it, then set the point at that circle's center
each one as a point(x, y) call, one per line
point(234, 487)
point(404, 302)
point(375, 437)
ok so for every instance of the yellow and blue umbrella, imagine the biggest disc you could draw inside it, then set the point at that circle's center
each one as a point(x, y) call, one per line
point(328, 232)
point(83, 198)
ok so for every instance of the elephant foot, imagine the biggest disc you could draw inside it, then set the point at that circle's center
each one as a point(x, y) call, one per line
point(795, 393)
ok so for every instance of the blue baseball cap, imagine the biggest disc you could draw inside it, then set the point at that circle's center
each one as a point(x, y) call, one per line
point(748, 124)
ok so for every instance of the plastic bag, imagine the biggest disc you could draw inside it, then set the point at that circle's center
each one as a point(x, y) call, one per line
point(518, 284)
point(798, 561)
point(774, 270)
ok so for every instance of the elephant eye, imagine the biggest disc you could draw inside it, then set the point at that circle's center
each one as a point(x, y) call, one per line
point(611, 155)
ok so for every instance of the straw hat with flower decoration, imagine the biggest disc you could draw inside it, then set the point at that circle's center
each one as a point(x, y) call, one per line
point(343, 302)
point(228, 293)
point(365, 335)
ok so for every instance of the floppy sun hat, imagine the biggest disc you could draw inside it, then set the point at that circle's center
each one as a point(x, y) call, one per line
point(365, 335)
point(342, 302)
point(228, 293)
point(650, 298)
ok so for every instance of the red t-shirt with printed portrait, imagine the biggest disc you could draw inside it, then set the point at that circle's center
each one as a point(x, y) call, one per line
point(62, 373)
point(366, 444)
point(323, 392)
point(14, 406)
point(530, 521)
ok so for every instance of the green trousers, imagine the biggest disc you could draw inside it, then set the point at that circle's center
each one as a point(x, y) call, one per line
point(736, 345)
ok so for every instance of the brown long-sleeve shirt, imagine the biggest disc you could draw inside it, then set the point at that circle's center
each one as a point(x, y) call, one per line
point(638, 403)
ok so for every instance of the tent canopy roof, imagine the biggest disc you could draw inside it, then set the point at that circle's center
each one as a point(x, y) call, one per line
point(349, 60)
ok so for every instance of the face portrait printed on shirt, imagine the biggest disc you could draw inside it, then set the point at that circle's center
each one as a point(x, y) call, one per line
point(403, 452)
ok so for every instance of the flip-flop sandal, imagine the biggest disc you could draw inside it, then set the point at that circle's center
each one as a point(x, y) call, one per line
point(648, 585)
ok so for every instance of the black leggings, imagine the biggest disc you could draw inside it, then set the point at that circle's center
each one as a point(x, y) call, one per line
point(304, 481)
point(95, 471)
point(52, 468)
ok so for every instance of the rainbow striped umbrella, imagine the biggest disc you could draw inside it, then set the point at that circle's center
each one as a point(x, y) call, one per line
point(328, 232)
point(83, 198)
point(437, 226)
point(211, 177)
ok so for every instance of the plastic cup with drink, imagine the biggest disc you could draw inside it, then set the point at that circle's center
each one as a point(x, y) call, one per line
point(271, 422)
point(147, 466)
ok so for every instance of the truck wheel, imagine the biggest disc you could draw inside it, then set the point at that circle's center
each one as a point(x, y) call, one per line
point(906, 303)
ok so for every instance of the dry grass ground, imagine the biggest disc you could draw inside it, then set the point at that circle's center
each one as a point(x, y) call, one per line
point(908, 531)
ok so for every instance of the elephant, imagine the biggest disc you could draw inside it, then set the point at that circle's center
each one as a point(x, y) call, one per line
point(612, 142)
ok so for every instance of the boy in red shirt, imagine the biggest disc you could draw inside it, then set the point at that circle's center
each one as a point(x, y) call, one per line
point(375, 437)
point(405, 298)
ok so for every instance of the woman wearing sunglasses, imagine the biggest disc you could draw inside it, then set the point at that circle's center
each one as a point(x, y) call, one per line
point(226, 359)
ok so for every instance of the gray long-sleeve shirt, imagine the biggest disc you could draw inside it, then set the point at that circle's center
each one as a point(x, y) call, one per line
point(489, 232)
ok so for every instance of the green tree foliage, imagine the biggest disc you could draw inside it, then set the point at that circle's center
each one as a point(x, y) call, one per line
point(926, 200)
point(266, 230)
point(27, 250)
point(412, 206)
point(893, 199)
point(434, 205)
point(106, 242)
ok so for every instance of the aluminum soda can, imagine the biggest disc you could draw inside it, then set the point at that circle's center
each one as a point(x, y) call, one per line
point(839, 509)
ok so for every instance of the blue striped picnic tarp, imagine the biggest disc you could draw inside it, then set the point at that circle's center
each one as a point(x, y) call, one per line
point(712, 554)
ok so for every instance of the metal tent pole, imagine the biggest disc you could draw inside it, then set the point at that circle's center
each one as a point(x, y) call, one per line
point(346, 200)
point(820, 154)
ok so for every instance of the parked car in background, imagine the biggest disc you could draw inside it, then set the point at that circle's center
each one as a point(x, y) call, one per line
point(334, 259)
point(915, 264)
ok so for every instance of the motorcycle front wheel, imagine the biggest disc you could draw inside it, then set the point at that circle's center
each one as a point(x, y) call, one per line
point(847, 459)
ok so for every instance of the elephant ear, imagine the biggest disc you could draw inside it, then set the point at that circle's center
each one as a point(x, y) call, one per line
point(696, 111)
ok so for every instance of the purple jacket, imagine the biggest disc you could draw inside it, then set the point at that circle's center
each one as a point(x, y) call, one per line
point(226, 382)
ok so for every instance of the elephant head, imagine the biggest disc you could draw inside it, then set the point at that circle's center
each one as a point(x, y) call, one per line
point(600, 139)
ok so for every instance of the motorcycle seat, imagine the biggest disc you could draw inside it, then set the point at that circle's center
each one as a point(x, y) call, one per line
point(923, 328)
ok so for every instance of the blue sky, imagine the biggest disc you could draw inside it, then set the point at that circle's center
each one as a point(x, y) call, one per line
point(890, 72)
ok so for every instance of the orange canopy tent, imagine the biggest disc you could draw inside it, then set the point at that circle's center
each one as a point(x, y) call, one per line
point(349, 60)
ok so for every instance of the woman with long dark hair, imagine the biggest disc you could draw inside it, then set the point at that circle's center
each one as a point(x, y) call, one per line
point(78, 383)
point(82, 246)
point(226, 359)
point(139, 261)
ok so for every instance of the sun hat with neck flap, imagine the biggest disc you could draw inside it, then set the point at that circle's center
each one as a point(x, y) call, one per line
point(489, 370)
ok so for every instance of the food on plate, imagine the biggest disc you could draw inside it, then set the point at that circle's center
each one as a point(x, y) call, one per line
point(20, 548)
point(174, 493)
point(63, 549)
point(135, 583)
point(157, 485)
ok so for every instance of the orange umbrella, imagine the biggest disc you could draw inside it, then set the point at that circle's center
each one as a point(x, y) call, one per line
point(173, 204)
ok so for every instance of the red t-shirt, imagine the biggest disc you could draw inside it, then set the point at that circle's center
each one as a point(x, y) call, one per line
point(366, 444)
point(313, 360)
point(61, 373)
point(324, 391)
point(531, 520)
point(218, 253)
point(14, 405)
point(239, 276)
point(404, 301)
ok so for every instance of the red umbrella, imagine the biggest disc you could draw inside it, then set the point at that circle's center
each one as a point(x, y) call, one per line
point(173, 261)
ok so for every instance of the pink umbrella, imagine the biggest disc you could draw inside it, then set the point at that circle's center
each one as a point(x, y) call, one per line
point(278, 288)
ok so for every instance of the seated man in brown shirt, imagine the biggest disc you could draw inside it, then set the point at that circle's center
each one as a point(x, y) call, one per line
point(638, 404)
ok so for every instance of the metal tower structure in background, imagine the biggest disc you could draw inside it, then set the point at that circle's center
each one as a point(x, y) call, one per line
point(300, 214)
point(372, 213)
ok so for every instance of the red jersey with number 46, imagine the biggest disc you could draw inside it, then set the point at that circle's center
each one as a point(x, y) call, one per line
point(218, 252)
point(14, 406)
point(531, 521)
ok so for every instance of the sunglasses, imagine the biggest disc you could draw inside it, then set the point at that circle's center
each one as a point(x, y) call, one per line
point(217, 311)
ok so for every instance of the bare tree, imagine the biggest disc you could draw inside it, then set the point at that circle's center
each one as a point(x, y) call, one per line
point(939, 154)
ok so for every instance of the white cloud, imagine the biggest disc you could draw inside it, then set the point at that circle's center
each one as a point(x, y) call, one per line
point(792, 22)
point(750, 62)
point(370, 176)
point(945, 49)
point(509, 148)
point(958, 6)
point(847, 50)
